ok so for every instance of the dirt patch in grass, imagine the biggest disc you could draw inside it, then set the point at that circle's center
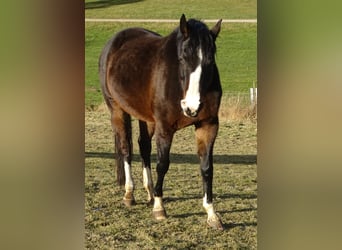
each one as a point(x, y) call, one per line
point(109, 225)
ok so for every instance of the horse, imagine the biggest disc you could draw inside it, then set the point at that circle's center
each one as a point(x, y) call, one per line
point(167, 83)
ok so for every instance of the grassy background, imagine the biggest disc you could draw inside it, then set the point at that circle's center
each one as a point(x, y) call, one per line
point(161, 9)
point(236, 45)
point(108, 224)
point(236, 54)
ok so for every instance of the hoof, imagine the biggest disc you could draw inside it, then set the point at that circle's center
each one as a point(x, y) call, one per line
point(215, 223)
point(129, 202)
point(159, 214)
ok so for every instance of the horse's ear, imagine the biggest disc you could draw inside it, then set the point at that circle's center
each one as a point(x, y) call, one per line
point(184, 27)
point(216, 29)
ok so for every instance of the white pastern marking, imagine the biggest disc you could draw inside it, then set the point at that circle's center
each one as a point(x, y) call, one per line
point(146, 177)
point(148, 184)
point(192, 97)
point(208, 207)
point(129, 185)
point(158, 204)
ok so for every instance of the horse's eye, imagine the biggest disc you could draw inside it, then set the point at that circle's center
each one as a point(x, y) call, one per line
point(187, 50)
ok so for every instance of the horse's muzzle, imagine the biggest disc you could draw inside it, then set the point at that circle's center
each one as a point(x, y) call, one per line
point(188, 112)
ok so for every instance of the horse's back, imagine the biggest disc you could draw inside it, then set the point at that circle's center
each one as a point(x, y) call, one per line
point(131, 34)
point(126, 67)
point(126, 37)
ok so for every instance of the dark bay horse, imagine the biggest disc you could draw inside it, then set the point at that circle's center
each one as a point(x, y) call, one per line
point(167, 83)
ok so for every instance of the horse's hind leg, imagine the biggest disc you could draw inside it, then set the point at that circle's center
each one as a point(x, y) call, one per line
point(146, 133)
point(121, 123)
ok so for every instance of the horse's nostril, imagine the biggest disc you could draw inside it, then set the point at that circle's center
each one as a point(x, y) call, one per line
point(191, 113)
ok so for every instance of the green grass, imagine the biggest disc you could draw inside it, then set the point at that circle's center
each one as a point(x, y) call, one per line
point(236, 54)
point(172, 9)
point(110, 225)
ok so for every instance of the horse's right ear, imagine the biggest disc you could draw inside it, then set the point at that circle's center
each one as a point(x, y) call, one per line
point(216, 29)
point(184, 27)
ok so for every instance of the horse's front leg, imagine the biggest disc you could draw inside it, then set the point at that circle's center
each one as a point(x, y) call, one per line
point(163, 140)
point(205, 134)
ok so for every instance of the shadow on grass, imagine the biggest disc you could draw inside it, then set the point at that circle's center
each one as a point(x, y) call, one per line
point(243, 224)
point(220, 212)
point(107, 3)
point(237, 196)
point(187, 158)
point(226, 226)
point(169, 199)
point(99, 155)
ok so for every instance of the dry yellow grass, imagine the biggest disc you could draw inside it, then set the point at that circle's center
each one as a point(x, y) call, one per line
point(234, 108)
point(109, 225)
point(237, 108)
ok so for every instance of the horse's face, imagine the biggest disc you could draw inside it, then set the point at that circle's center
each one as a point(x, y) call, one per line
point(196, 55)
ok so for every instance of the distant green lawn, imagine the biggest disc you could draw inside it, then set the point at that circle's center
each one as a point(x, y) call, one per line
point(236, 45)
point(171, 9)
point(236, 54)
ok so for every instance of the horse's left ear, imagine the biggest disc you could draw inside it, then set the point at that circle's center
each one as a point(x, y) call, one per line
point(184, 27)
point(216, 29)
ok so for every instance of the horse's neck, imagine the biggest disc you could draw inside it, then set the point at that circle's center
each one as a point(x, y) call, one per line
point(169, 48)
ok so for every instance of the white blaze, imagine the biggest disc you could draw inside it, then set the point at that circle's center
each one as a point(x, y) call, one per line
point(192, 97)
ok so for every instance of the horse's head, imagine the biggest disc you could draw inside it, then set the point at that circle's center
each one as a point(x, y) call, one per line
point(196, 54)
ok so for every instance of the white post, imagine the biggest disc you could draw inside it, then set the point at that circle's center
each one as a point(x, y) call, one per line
point(256, 95)
point(253, 95)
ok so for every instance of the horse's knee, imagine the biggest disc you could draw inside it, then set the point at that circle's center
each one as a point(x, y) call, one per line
point(163, 167)
point(206, 171)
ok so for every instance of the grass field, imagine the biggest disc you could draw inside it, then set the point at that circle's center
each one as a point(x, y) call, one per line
point(110, 225)
point(236, 55)
point(236, 45)
point(161, 9)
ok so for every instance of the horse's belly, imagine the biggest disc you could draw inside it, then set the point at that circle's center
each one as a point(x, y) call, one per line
point(135, 106)
point(140, 112)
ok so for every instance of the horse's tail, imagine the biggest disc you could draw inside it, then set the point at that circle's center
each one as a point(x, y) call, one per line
point(103, 61)
point(120, 166)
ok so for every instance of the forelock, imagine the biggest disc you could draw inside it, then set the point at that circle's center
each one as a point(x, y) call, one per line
point(201, 36)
